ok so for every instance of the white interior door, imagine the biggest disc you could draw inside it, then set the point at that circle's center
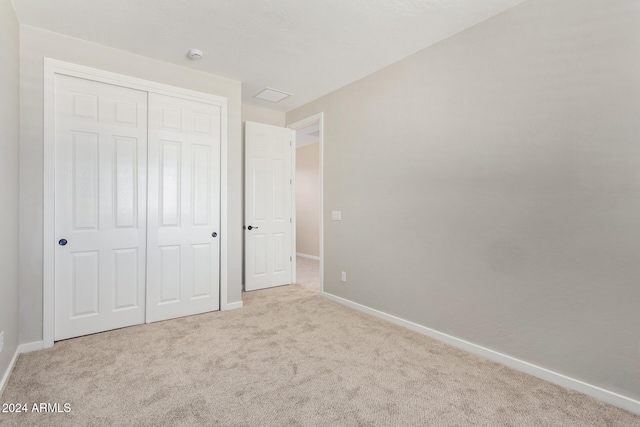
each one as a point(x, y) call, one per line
point(268, 229)
point(100, 206)
point(184, 208)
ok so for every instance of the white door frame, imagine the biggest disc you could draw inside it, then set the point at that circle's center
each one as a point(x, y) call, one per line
point(53, 67)
point(319, 117)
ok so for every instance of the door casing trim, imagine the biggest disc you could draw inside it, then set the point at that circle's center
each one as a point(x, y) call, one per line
point(319, 117)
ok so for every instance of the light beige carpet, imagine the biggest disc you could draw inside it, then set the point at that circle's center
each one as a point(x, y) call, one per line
point(308, 273)
point(289, 357)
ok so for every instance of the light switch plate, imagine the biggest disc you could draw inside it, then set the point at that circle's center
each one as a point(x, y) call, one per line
point(336, 216)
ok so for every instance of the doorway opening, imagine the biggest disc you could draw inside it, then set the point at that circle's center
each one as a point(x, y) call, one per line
point(309, 201)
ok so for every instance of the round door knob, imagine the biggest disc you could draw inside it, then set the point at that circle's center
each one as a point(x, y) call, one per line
point(252, 227)
point(214, 234)
point(62, 242)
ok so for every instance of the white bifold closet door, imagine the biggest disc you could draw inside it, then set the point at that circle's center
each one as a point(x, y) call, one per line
point(100, 206)
point(137, 207)
point(184, 210)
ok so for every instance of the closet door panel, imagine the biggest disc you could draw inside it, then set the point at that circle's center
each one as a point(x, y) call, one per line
point(100, 206)
point(184, 208)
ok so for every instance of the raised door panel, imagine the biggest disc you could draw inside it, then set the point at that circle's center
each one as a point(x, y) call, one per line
point(85, 193)
point(201, 185)
point(170, 277)
point(170, 173)
point(125, 273)
point(201, 257)
point(126, 182)
point(85, 284)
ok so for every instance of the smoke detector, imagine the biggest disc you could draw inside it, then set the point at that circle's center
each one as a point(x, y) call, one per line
point(195, 54)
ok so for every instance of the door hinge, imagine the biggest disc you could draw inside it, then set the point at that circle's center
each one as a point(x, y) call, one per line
point(290, 143)
point(290, 220)
point(291, 259)
point(290, 181)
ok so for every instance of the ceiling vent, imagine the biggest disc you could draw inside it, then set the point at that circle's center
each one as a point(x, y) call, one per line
point(272, 95)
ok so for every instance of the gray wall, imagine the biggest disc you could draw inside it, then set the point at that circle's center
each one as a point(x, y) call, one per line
point(262, 115)
point(490, 188)
point(35, 44)
point(9, 148)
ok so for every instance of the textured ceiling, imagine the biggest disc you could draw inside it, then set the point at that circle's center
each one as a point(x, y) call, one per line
point(305, 47)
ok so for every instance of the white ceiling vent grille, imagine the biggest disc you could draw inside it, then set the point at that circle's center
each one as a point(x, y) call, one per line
point(272, 95)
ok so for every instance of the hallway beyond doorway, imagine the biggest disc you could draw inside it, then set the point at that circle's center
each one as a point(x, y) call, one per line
point(308, 273)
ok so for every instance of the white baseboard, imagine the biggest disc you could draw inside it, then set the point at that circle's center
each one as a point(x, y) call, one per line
point(7, 374)
point(22, 348)
point(232, 306)
point(31, 346)
point(317, 258)
point(520, 365)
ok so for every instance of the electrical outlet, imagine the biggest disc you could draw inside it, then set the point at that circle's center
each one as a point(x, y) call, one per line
point(343, 276)
point(1, 341)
